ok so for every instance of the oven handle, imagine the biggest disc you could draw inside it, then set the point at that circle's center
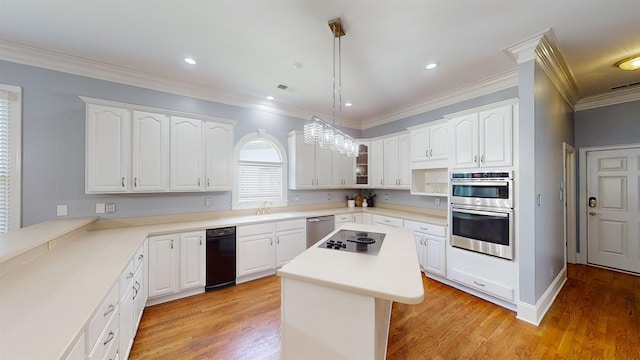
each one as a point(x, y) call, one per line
point(481, 212)
point(481, 183)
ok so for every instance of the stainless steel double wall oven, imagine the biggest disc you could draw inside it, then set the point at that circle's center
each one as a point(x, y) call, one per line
point(482, 212)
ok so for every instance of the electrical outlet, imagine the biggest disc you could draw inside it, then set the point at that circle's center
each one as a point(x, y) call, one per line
point(51, 244)
point(208, 202)
point(100, 208)
point(329, 196)
point(110, 208)
point(437, 200)
point(297, 198)
point(386, 196)
point(61, 210)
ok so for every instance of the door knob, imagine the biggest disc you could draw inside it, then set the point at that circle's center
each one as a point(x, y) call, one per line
point(593, 213)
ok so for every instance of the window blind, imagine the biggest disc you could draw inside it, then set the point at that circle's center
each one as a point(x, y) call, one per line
point(259, 181)
point(5, 158)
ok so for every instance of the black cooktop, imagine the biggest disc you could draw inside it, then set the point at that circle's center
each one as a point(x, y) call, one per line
point(355, 241)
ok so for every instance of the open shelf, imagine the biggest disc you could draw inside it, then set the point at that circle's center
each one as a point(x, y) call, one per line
point(430, 182)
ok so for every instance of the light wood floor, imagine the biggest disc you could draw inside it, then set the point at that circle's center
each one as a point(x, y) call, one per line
point(596, 316)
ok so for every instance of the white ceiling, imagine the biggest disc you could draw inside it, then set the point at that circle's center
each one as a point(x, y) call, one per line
point(247, 48)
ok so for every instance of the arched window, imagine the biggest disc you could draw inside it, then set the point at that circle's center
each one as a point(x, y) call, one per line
point(261, 172)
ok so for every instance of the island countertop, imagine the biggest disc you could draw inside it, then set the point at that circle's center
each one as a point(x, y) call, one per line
point(393, 274)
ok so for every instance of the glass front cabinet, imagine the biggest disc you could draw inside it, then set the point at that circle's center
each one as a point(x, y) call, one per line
point(362, 165)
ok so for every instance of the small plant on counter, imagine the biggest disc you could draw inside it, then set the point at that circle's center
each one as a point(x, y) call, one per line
point(368, 196)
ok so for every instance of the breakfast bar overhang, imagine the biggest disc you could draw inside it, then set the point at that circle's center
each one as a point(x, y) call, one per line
point(337, 304)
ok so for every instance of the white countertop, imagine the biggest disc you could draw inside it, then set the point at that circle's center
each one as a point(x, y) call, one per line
point(47, 301)
point(393, 274)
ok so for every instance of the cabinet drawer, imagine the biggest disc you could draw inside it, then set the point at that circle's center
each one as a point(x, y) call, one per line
point(434, 230)
point(138, 258)
point(290, 225)
point(257, 229)
point(387, 221)
point(343, 218)
point(101, 317)
point(126, 277)
point(108, 339)
point(482, 284)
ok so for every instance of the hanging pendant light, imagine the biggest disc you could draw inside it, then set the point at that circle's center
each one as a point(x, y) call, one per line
point(318, 131)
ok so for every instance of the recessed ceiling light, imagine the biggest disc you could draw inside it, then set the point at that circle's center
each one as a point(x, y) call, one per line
point(431, 66)
point(189, 61)
point(270, 97)
point(348, 104)
point(630, 63)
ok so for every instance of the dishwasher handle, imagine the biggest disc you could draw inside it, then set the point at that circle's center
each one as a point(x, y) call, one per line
point(318, 219)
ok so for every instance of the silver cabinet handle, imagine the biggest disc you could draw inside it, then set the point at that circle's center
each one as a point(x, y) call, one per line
point(482, 159)
point(208, 182)
point(200, 240)
point(130, 275)
point(424, 228)
point(140, 256)
point(431, 153)
point(479, 284)
point(387, 221)
point(198, 182)
point(111, 336)
point(109, 310)
point(122, 182)
point(475, 159)
point(270, 241)
point(426, 153)
point(172, 244)
point(135, 181)
point(278, 240)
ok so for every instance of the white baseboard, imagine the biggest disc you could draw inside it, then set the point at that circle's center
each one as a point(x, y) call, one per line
point(534, 314)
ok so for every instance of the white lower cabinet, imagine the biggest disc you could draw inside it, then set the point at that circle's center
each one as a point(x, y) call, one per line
point(363, 218)
point(77, 351)
point(132, 300)
point(262, 248)
point(342, 219)
point(431, 246)
point(494, 276)
point(176, 265)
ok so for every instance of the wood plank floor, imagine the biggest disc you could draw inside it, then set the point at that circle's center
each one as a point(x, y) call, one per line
point(596, 316)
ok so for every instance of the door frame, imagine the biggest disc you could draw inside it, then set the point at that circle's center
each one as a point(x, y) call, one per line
point(569, 197)
point(581, 256)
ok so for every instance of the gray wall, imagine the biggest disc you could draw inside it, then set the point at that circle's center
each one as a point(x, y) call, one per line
point(608, 125)
point(53, 145)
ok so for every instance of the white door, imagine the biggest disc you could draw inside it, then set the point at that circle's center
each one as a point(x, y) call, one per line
point(404, 161)
point(420, 144)
point(496, 136)
point(218, 143)
point(256, 253)
point(613, 213)
point(390, 167)
point(323, 167)
point(186, 154)
point(439, 142)
point(434, 256)
point(376, 164)
point(464, 141)
point(108, 153)
point(150, 151)
point(163, 261)
point(192, 260)
point(289, 244)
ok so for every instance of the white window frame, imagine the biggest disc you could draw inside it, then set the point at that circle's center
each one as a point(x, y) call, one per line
point(262, 135)
point(14, 95)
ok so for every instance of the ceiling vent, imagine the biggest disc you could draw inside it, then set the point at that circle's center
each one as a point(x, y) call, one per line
point(626, 86)
point(283, 87)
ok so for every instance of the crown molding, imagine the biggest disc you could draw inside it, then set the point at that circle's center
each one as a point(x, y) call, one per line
point(609, 98)
point(52, 60)
point(471, 91)
point(544, 48)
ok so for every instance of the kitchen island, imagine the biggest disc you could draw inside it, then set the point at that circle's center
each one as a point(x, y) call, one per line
point(337, 304)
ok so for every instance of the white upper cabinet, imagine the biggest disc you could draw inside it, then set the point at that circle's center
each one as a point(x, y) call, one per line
point(376, 164)
point(482, 139)
point(343, 171)
point(429, 145)
point(130, 148)
point(362, 165)
point(310, 166)
point(108, 135)
point(397, 171)
point(150, 151)
point(218, 144)
point(186, 154)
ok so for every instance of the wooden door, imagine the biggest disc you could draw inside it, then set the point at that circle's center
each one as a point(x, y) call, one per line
point(613, 213)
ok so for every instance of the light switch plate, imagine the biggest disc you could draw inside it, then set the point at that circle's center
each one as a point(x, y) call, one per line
point(110, 208)
point(61, 210)
point(100, 208)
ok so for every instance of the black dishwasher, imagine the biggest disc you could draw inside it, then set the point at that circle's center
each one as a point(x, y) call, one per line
point(221, 258)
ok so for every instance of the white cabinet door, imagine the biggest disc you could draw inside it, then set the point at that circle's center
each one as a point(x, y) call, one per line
point(186, 154)
point(218, 144)
point(404, 163)
point(255, 253)
point(126, 332)
point(361, 171)
point(421, 249)
point(439, 142)
point(163, 261)
point(420, 144)
point(108, 153)
point(342, 171)
point(192, 260)
point(323, 167)
point(391, 152)
point(139, 296)
point(376, 162)
point(496, 136)
point(434, 254)
point(302, 165)
point(289, 244)
point(150, 151)
point(77, 351)
point(464, 144)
